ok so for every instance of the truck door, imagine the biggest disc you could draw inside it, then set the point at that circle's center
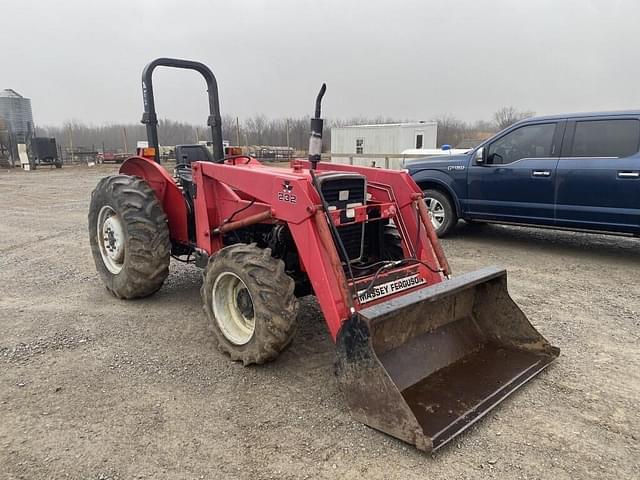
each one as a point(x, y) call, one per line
point(514, 179)
point(598, 179)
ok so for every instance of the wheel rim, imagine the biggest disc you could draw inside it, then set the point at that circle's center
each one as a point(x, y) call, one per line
point(111, 239)
point(233, 308)
point(436, 212)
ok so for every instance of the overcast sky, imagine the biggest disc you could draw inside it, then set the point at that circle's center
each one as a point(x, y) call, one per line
point(82, 59)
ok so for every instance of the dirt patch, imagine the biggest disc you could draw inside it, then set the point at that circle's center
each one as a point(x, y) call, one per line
point(96, 388)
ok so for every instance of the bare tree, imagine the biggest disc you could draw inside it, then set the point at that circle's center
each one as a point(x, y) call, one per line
point(507, 116)
point(256, 130)
point(451, 131)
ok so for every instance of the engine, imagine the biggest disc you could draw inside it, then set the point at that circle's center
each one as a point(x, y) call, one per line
point(344, 191)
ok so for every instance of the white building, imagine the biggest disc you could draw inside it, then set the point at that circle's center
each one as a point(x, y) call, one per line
point(386, 138)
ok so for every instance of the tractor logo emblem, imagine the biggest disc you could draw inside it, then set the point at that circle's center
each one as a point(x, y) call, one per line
point(286, 194)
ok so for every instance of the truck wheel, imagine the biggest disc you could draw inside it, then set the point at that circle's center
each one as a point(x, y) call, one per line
point(129, 236)
point(249, 300)
point(58, 164)
point(443, 215)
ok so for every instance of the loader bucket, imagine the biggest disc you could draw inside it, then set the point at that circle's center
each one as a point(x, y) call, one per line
point(425, 366)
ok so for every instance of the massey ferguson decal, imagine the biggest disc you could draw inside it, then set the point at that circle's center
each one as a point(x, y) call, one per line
point(388, 288)
point(286, 194)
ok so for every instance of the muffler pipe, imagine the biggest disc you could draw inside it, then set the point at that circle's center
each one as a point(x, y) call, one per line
point(315, 137)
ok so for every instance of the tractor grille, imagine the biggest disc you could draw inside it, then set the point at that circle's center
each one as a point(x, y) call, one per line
point(342, 190)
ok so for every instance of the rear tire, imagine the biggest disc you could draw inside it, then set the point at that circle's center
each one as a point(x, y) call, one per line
point(129, 236)
point(441, 211)
point(249, 301)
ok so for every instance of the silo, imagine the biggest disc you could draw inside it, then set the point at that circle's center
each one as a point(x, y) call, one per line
point(15, 110)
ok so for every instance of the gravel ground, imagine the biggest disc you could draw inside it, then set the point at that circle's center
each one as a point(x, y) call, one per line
point(96, 388)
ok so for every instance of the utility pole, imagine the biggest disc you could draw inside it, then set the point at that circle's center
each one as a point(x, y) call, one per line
point(71, 143)
point(197, 135)
point(237, 131)
point(288, 146)
point(124, 134)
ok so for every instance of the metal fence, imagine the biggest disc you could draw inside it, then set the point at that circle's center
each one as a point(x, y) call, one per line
point(382, 160)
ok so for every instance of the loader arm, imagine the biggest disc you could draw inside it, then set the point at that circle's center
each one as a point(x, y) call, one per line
point(316, 249)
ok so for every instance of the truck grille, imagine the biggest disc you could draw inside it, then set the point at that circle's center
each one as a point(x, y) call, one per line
point(344, 190)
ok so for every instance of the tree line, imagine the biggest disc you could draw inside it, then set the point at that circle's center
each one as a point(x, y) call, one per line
point(259, 130)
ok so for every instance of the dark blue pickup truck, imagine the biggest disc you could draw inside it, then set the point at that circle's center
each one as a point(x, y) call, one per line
point(576, 171)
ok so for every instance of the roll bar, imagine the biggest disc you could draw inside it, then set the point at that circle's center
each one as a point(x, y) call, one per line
point(150, 119)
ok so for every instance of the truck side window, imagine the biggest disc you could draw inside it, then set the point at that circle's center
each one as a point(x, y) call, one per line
point(529, 141)
point(606, 138)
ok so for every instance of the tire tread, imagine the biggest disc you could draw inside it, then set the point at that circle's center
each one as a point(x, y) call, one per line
point(275, 313)
point(148, 243)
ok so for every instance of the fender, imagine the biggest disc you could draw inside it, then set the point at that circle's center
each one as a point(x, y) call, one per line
point(441, 179)
point(168, 193)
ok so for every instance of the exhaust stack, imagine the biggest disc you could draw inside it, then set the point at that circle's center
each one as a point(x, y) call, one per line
point(315, 138)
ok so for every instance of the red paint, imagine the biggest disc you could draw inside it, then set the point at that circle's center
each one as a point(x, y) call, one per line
point(166, 190)
point(244, 183)
point(245, 222)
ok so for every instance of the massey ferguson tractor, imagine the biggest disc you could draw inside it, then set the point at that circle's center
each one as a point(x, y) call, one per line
point(420, 355)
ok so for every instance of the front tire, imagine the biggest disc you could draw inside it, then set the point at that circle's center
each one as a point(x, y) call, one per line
point(129, 236)
point(250, 302)
point(441, 211)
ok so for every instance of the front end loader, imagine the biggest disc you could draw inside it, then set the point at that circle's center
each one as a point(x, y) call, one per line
point(421, 356)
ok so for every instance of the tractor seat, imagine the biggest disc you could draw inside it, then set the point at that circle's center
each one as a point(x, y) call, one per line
point(186, 154)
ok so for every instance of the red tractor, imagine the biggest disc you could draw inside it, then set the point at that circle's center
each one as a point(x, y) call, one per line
point(420, 356)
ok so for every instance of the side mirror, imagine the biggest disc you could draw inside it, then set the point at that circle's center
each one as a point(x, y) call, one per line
point(479, 156)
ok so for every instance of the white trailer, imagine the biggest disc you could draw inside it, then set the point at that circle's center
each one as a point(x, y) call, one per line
point(386, 138)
